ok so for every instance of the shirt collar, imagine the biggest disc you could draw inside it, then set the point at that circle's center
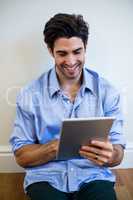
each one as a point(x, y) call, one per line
point(88, 81)
point(54, 86)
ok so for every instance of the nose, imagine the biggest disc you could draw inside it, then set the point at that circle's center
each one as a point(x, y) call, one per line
point(70, 60)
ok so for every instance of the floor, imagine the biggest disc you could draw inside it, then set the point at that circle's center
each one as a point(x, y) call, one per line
point(124, 184)
point(11, 185)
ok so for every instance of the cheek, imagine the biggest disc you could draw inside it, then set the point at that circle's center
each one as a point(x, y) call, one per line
point(81, 57)
point(59, 61)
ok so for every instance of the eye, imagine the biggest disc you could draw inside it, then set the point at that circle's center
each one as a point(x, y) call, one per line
point(62, 54)
point(77, 52)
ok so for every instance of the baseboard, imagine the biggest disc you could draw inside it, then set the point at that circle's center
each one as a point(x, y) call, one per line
point(128, 157)
point(7, 160)
point(8, 164)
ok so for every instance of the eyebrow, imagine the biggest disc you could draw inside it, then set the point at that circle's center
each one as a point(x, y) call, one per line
point(78, 49)
point(64, 51)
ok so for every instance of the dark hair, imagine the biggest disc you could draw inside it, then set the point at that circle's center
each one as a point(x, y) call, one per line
point(65, 25)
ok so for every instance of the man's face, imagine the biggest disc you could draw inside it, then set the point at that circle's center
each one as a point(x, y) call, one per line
point(69, 55)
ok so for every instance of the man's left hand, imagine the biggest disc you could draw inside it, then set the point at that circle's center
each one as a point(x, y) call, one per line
point(99, 152)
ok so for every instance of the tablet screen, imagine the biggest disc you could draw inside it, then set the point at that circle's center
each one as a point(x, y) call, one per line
point(76, 132)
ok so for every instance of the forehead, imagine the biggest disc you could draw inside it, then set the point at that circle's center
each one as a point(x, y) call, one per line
point(68, 44)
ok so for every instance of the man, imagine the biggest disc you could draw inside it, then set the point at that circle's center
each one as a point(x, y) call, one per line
point(67, 90)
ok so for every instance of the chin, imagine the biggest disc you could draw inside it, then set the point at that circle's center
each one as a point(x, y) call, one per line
point(73, 76)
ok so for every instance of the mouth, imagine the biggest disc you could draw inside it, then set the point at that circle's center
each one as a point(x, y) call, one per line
point(71, 69)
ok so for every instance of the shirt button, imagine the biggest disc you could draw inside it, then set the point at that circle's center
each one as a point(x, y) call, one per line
point(72, 169)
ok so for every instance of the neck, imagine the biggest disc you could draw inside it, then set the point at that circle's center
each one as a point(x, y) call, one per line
point(70, 87)
point(69, 83)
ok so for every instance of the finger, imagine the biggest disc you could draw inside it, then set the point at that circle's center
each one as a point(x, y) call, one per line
point(97, 161)
point(94, 159)
point(94, 156)
point(102, 144)
point(87, 154)
point(103, 153)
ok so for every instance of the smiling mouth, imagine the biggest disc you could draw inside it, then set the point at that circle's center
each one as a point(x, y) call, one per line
point(71, 68)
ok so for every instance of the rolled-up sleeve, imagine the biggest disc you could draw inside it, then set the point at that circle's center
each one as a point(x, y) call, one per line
point(113, 107)
point(23, 131)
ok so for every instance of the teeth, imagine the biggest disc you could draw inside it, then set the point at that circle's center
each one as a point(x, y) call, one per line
point(73, 67)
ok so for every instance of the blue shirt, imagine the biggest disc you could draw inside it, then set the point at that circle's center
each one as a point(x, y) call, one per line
point(40, 108)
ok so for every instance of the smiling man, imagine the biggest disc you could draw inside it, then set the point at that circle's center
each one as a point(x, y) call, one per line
point(67, 90)
point(69, 56)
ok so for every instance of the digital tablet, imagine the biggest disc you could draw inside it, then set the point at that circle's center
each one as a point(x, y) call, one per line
point(76, 132)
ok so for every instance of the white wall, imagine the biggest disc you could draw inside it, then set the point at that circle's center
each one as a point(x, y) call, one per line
point(23, 55)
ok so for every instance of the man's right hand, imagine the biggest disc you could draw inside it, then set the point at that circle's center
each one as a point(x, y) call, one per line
point(36, 154)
